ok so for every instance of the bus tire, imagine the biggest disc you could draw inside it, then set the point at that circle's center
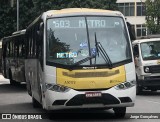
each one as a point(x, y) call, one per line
point(35, 103)
point(138, 90)
point(138, 87)
point(12, 82)
point(29, 89)
point(120, 112)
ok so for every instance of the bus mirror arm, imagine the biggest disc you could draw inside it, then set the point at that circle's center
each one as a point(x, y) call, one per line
point(40, 31)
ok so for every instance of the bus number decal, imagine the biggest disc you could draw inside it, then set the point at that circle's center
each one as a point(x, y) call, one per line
point(70, 82)
point(61, 23)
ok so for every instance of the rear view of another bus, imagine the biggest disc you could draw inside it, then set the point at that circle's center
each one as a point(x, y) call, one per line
point(13, 57)
point(85, 61)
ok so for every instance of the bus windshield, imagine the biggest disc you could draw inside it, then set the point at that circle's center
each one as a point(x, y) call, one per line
point(150, 50)
point(72, 39)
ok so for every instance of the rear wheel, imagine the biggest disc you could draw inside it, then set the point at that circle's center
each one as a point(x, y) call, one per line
point(12, 82)
point(120, 112)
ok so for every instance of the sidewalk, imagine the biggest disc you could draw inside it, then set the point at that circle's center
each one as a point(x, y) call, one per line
point(2, 79)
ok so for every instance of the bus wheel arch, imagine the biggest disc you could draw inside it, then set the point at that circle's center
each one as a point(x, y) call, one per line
point(138, 87)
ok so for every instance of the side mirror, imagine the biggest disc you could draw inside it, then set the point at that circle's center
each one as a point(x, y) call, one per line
point(40, 31)
point(136, 51)
point(131, 30)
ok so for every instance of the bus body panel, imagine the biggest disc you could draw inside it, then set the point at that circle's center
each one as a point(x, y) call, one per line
point(50, 102)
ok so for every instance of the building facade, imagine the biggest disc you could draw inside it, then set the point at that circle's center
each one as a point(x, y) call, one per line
point(134, 11)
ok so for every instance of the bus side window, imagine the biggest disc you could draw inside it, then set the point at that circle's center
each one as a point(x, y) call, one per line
point(136, 51)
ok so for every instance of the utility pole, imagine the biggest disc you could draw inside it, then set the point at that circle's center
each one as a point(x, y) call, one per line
point(17, 15)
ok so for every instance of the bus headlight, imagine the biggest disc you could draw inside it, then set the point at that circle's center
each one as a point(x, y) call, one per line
point(125, 85)
point(57, 88)
point(146, 69)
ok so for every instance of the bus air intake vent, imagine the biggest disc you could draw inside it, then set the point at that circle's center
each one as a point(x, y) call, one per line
point(91, 74)
point(105, 99)
point(125, 99)
point(59, 102)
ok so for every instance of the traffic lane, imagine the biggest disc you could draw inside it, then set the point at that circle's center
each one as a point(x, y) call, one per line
point(15, 99)
point(147, 102)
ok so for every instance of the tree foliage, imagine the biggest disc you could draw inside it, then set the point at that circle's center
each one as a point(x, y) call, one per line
point(30, 9)
point(153, 16)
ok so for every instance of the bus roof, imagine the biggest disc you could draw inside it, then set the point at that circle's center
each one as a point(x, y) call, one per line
point(75, 11)
point(19, 32)
point(14, 34)
point(82, 11)
point(145, 40)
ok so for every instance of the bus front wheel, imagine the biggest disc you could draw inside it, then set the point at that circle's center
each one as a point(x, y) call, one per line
point(35, 103)
point(120, 112)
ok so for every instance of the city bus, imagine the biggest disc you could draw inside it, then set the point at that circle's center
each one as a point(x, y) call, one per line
point(13, 57)
point(147, 60)
point(80, 58)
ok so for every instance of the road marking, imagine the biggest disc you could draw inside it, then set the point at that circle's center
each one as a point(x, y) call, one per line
point(152, 101)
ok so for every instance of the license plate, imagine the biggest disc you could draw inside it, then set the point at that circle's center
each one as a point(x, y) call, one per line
point(93, 94)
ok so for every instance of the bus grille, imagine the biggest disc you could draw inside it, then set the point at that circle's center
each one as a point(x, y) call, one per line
point(155, 69)
point(81, 99)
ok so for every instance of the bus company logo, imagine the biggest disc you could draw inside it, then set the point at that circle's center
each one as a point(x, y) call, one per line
point(89, 67)
point(92, 84)
point(6, 116)
point(20, 116)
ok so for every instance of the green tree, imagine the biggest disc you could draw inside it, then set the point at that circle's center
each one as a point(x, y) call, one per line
point(6, 19)
point(153, 16)
point(8, 16)
point(30, 9)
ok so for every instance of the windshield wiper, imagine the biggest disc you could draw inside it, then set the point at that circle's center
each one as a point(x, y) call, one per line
point(102, 51)
point(99, 49)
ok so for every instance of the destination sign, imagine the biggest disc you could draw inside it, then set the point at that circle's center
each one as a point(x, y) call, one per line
point(82, 23)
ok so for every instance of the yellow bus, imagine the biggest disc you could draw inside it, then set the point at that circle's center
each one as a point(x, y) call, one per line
point(80, 58)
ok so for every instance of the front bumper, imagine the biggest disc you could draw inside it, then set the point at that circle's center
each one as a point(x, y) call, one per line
point(76, 99)
point(150, 81)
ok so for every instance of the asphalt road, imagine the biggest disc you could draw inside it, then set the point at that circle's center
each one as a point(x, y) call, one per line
point(14, 99)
